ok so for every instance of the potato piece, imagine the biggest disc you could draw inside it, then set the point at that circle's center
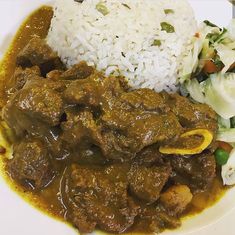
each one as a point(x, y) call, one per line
point(176, 198)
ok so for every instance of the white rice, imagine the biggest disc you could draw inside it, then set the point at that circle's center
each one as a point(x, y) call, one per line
point(121, 41)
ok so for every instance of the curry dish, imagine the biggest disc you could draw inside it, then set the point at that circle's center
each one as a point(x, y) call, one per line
point(98, 154)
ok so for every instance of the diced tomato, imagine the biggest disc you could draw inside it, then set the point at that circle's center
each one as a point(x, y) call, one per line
point(226, 146)
point(210, 67)
point(232, 66)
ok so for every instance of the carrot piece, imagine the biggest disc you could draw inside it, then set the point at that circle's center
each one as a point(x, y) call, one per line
point(226, 146)
point(232, 66)
point(210, 67)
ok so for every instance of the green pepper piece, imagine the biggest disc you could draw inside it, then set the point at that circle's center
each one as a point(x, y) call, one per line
point(167, 27)
point(102, 8)
point(169, 11)
point(157, 42)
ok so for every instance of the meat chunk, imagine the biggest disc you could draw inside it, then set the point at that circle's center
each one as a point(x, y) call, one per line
point(31, 166)
point(145, 99)
point(78, 71)
point(33, 107)
point(95, 91)
point(132, 114)
point(54, 75)
point(37, 52)
point(129, 121)
point(83, 92)
point(192, 115)
point(90, 155)
point(57, 86)
point(80, 127)
point(147, 182)
point(57, 148)
point(154, 219)
point(176, 198)
point(149, 156)
point(44, 104)
point(20, 77)
point(129, 131)
point(77, 215)
point(102, 193)
point(197, 172)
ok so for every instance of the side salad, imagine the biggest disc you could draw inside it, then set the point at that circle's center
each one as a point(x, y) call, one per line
point(208, 76)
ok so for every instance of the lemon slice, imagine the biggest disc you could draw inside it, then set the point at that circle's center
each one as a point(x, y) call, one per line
point(191, 142)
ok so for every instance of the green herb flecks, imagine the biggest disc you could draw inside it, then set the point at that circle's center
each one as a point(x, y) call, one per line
point(220, 37)
point(167, 27)
point(212, 37)
point(168, 11)
point(208, 23)
point(157, 42)
point(125, 5)
point(219, 64)
point(217, 37)
point(232, 122)
point(102, 8)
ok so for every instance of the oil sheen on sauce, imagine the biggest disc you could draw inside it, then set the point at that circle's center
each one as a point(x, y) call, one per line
point(37, 24)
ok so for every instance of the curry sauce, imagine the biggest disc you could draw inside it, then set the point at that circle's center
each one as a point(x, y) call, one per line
point(37, 24)
point(49, 199)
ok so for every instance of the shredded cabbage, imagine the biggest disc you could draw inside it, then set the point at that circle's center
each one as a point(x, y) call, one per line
point(227, 56)
point(191, 61)
point(231, 29)
point(228, 170)
point(224, 123)
point(211, 38)
point(220, 94)
point(226, 135)
point(218, 91)
point(196, 90)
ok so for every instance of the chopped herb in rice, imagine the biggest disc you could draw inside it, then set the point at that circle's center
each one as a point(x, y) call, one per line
point(167, 27)
point(157, 42)
point(168, 11)
point(102, 8)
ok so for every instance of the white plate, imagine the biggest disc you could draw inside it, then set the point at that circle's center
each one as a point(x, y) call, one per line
point(17, 217)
